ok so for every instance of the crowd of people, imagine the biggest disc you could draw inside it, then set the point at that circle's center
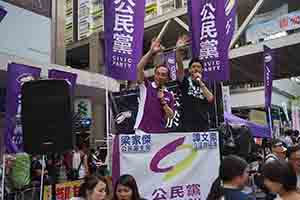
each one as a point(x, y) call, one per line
point(23, 171)
point(276, 174)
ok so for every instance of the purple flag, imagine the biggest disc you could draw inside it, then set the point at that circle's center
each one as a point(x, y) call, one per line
point(268, 75)
point(257, 130)
point(123, 34)
point(230, 12)
point(17, 75)
point(208, 23)
point(3, 12)
point(68, 76)
point(170, 60)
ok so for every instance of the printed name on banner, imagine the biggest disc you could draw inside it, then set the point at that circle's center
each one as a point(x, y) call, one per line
point(135, 143)
point(205, 140)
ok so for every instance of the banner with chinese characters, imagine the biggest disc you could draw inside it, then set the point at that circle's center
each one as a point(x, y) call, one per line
point(230, 12)
point(268, 74)
point(170, 60)
point(123, 34)
point(179, 166)
point(209, 20)
point(17, 75)
point(63, 191)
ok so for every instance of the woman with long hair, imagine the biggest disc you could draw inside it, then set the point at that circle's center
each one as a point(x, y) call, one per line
point(126, 189)
point(94, 188)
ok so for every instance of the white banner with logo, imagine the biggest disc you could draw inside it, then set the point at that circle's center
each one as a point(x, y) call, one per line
point(171, 166)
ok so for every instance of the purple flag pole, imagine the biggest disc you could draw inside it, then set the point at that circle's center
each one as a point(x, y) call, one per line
point(123, 34)
point(3, 13)
point(170, 60)
point(208, 23)
point(268, 57)
point(68, 76)
point(17, 75)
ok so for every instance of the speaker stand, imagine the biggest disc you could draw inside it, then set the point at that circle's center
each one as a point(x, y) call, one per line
point(3, 178)
point(42, 177)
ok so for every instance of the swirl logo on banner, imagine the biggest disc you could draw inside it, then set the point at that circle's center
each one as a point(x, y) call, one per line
point(172, 171)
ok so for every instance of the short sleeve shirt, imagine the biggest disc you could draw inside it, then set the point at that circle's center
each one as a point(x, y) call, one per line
point(150, 117)
point(195, 105)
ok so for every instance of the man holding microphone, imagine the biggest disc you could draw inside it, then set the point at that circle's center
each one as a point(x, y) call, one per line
point(156, 104)
point(196, 97)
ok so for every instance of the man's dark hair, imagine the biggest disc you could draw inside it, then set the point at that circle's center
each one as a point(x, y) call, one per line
point(195, 60)
point(280, 172)
point(292, 149)
point(232, 166)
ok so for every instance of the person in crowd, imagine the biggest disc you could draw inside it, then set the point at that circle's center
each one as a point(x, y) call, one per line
point(287, 138)
point(67, 163)
point(156, 103)
point(293, 155)
point(79, 164)
point(278, 151)
point(196, 97)
point(280, 178)
point(233, 173)
point(126, 189)
point(295, 136)
point(36, 171)
point(95, 163)
point(93, 188)
point(51, 167)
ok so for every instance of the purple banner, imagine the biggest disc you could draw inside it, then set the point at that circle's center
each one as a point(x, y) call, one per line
point(123, 34)
point(17, 75)
point(68, 76)
point(208, 23)
point(230, 12)
point(268, 75)
point(256, 129)
point(170, 60)
point(3, 12)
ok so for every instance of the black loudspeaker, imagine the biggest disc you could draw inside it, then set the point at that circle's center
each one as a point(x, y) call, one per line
point(47, 112)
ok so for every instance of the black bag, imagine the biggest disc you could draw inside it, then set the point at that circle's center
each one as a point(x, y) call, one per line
point(74, 173)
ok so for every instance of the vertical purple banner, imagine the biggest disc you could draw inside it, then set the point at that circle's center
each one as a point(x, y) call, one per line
point(208, 23)
point(268, 75)
point(17, 75)
point(123, 34)
point(68, 76)
point(3, 12)
point(170, 60)
point(230, 12)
